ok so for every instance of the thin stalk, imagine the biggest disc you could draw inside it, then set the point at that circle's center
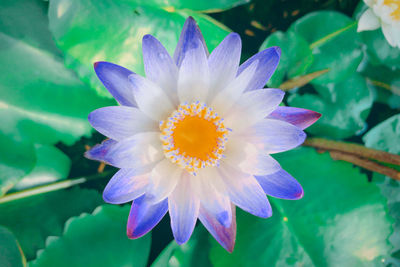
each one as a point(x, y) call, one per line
point(51, 187)
point(354, 149)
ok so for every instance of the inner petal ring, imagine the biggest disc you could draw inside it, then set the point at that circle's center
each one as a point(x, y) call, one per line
point(194, 136)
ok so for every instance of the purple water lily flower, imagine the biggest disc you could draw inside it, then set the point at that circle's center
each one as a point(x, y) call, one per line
point(195, 136)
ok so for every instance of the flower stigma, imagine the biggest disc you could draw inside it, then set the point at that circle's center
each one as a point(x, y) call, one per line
point(395, 5)
point(194, 136)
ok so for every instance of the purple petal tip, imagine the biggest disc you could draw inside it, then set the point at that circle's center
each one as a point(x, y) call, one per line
point(278, 50)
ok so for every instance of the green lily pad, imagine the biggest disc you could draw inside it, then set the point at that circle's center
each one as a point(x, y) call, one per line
point(385, 137)
point(85, 33)
point(296, 56)
point(52, 165)
point(205, 6)
point(10, 252)
point(334, 42)
point(32, 219)
point(17, 159)
point(386, 83)
point(344, 107)
point(97, 239)
point(341, 220)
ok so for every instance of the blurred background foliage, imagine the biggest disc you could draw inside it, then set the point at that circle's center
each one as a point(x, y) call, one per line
point(51, 210)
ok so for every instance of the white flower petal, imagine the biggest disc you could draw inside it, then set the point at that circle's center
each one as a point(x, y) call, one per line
point(194, 76)
point(214, 201)
point(226, 98)
point(253, 107)
point(183, 209)
point(159, 67)
point(163, 180)
point(247, 158)
point(245, 192)
point(368, 21)
point(369, 3)
point(150, 98)
point(224, 63)
point(392, 34)
point(273, 136)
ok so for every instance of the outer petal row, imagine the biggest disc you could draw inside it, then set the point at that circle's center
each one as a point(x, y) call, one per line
point(120, 122)
point(302, 118)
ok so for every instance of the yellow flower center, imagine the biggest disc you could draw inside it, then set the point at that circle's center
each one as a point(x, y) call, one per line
point(194, 137)
point(395, 5)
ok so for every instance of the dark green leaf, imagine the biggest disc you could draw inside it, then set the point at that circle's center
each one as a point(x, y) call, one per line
point(386, 83)
point(112, 31)
point(344, 107)
point(10, 252)
point(17, 159)
point(341, 220)
point(334, 42)
point(296, 56)
point(97, 239)
point(34, 218)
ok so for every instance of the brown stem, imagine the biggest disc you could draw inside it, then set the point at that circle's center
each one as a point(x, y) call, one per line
point(354, 149)
point(366, 164)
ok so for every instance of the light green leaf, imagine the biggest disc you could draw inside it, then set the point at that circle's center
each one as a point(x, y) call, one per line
point(97, 239)
point(340, 221)
point(385, 136)
point(205, 6)
point(10, 252)
point(40, 100)
point(105, 30)
point(33, 219)
point(334, 42)
point(296, 56)
point(52, 165)
point(17, 159)
point(344, 107)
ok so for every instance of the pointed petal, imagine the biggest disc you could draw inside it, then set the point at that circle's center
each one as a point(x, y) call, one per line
point(163, 180)
point(99, 151)
point(253, 107)
point(141, 152)
point(247, 158)
point(268, 61)
point(302, 118)
point(183, 209)
point(115, 79)
point(121, 122)
point(274, 136)
point(392, 34)
point(194, 76)
point(281, 185)
point(150, 98)
point(144, 216)
point(224, 62)
point(232, 93)
point(125, 186)
point(216, 202)
point(225, 236)
point(368, 21)
point(159, 67)
point(189, 38)
point(245, 192)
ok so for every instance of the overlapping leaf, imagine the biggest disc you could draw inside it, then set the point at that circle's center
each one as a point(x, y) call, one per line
point(33, 219)
point(10, 253)
point(344, 107)
point(97, 239)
